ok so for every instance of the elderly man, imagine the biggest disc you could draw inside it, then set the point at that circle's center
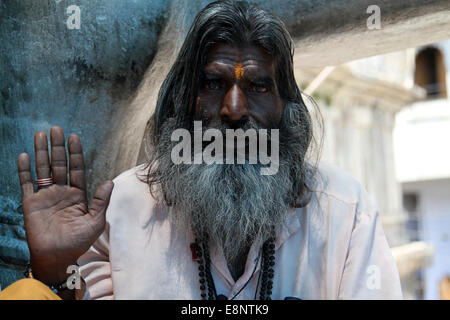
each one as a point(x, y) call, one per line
point(166, 230)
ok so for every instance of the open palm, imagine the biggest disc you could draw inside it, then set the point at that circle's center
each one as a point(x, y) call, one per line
point(59, 225)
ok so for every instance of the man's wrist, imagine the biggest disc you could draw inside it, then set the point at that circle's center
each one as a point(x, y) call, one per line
point(72, 285)
point(75, 293)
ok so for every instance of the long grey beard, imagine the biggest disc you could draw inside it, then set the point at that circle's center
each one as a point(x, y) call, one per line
point(234, 204)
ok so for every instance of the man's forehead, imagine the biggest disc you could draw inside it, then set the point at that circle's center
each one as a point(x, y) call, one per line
point(226, 54)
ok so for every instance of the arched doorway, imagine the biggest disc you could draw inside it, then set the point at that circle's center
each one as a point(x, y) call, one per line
point(430, 72)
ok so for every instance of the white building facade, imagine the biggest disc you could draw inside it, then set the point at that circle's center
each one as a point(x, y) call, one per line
point(388, 125)
point(422, 145)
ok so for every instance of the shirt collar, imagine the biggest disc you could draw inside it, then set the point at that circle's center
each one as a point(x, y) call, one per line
point(291, 226)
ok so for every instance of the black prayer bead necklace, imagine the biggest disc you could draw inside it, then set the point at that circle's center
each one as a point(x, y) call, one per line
point(208, 290)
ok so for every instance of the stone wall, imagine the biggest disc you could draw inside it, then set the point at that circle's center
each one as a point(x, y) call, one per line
point(78, 79)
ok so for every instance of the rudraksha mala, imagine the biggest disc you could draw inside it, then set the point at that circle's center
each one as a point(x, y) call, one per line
point(207, 287)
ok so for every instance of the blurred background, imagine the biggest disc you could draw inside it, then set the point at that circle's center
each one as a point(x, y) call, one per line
point(387, 121)
point(378, 70)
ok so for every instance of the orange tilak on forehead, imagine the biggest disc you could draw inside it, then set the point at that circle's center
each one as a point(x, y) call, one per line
point(238, 71)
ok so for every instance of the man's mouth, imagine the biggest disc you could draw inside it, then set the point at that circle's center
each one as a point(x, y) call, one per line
point(234, 147)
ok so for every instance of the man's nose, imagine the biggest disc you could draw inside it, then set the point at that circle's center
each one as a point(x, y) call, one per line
point(235, 105)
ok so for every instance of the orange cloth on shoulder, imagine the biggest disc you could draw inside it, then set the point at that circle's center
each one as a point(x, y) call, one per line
point(28, 289)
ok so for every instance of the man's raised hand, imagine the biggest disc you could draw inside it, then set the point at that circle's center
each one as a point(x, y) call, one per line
point(59, 224)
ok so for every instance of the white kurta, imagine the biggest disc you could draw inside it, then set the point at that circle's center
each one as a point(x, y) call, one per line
point(334, 248)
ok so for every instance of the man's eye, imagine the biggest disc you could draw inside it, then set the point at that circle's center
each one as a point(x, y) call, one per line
point(212, 84)
point(259, 89)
